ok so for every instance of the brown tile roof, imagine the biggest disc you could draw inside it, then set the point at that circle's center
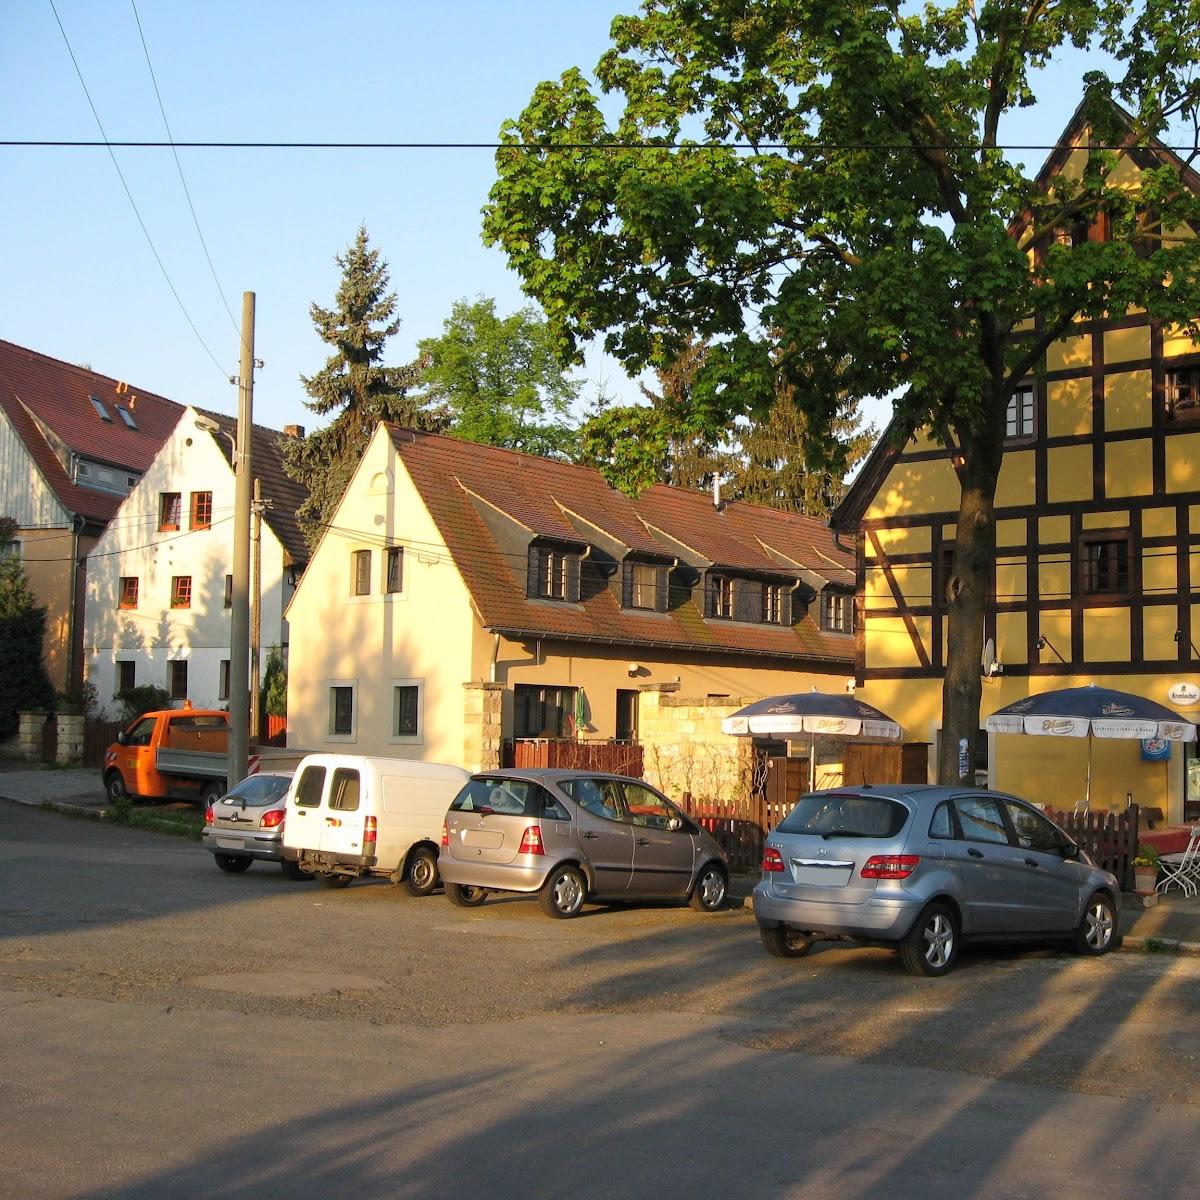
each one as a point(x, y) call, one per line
point(536, 491)
point(46, 400)
point(266, 461)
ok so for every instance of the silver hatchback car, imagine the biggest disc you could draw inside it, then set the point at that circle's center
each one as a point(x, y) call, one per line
point(574, 836)
point(921, 868)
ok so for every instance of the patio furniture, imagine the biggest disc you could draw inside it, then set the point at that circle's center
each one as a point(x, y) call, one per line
point(1182, 870)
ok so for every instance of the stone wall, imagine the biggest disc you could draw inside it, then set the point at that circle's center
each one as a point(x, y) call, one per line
point(70, 739)
point(685, 751)
point(482, 725)
point(29, 735)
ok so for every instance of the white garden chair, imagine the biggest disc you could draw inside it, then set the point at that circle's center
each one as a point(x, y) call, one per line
point(1182, 870)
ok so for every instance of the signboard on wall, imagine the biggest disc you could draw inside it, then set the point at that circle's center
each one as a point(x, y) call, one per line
point(1156, 749)
point(1183, 694)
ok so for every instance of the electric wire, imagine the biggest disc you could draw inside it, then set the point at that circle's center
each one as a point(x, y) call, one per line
point(108, 145)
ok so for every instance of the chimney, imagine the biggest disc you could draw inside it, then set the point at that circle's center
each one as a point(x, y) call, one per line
point(717, 492)
point(294, 431)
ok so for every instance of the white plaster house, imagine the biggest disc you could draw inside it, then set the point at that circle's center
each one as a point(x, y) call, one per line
point(159, 579)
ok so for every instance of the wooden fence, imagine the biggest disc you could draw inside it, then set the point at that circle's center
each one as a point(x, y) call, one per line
point(738, 826)
point(97, 737)
point(1111, 839)
point(616, 758)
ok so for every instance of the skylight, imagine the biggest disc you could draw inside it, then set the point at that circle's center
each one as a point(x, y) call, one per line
point(127, 417)
point(101, 411)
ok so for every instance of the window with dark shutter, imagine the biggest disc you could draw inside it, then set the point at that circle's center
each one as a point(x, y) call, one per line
point(719, 597)
point(1104, 562)
point(553, 574)
point(837, 612)
point(362, 572)
point(747, 600)
point(642, 585)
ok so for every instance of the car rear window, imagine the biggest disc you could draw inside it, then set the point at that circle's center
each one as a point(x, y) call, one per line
point(846, 815)
point(508, 797)
point(308, 790)
point(260, 790)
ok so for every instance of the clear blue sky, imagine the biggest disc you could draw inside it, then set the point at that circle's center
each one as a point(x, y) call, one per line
point(80, 282)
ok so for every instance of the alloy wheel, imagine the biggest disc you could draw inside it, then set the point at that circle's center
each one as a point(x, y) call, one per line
point(1098, 925)
point(939, 941)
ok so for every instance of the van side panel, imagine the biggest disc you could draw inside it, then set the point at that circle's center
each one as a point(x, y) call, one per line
point(411, 809)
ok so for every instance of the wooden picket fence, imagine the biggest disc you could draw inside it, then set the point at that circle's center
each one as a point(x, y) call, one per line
point(1110, 839)
point(739, 826)
point(614, 758)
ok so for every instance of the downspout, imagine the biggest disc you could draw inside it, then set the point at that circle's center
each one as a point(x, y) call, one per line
point(495, 657)
point(72, 616)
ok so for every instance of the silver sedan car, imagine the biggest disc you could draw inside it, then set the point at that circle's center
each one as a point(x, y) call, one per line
point(921, 869)
point(247, 824)
point(575, 836)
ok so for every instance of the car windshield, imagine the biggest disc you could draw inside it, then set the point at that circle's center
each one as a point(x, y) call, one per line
point(256, 791)
point(845, 815)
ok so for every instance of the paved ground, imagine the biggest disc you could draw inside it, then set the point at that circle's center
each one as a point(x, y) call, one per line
point(170, 1031)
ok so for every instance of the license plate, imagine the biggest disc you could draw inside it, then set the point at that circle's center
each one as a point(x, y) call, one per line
point(810, 874)
point(228, 843)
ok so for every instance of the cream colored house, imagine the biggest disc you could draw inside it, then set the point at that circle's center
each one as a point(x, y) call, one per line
point(159, 580)
point(465, 597)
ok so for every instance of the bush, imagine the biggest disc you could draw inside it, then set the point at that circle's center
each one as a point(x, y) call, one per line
point(146, 697)
point(24, 684)
point(79, 699)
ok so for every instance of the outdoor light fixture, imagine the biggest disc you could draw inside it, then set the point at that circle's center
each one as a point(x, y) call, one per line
point(1191, 644)
point(1043, 642)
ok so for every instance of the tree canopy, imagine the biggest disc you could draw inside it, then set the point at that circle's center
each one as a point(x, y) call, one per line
point(354, 384)
point(820, 189)
point(24, 683)
point(497, 380)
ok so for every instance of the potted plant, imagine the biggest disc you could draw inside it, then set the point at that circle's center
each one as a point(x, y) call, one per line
point(1145, 870)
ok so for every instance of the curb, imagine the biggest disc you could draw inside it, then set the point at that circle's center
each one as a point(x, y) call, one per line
point(1160, 945)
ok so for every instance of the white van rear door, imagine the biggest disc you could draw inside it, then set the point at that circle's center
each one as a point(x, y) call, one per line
point(341, 814)
point(303, 826)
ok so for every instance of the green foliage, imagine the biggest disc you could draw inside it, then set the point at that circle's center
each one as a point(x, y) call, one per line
point(496, 380)
point(274, 684)
point(78, 699)
point(146, 697)
point(1147, 857)
point(354, 384)
point(24, 684)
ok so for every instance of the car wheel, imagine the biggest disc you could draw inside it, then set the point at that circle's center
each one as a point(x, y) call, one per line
point(563, 893)
point(114, 787)
point(210, 793)
point(465, 896)
point(235, 864)
point(780, 944)
point(422, 874)
point(709, 893)
point(1098, 932)
point(330, 880)
point(932, 944)
point(293, 870)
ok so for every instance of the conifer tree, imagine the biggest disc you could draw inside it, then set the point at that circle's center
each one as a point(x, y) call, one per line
point(354, 385)
point(24, 683)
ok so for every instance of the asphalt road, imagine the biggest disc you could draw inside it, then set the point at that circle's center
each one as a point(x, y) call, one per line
point(171, 1031)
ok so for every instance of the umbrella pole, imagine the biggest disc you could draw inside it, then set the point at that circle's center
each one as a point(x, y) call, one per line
point(812, 762)
point(1089, 770)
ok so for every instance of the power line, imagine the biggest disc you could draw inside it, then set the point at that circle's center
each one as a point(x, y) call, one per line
point(129, 195)
point(179, 168)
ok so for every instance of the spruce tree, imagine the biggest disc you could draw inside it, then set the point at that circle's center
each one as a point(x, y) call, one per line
point(24, 683)
point(354, 384)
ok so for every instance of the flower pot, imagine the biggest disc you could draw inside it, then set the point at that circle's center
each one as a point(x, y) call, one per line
point(1145, 880)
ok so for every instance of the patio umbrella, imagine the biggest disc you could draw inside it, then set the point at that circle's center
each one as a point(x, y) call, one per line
point(1091, 712)
point(812, 713)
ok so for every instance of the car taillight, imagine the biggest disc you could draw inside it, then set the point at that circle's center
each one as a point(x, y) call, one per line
point(370, 832)
point(209, 819)
point(273, 818)
point(772, 859)
point(445, 834)
point(890, 866)
point(531, 841)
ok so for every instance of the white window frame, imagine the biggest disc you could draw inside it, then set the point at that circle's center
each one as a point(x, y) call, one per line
point(352, 684)
point(1021, 404)
point(418, 738)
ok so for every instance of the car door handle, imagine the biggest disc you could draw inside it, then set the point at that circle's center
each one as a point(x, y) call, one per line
point(975, 853)
point(587, 833)
point(1031, 862)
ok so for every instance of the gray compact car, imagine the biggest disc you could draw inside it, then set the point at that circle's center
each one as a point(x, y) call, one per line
point(574, 836)
point(247, 824)
point(920, 869)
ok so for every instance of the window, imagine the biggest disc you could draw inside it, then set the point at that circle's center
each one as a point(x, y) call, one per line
point(551, 574)
point(101, 411)
point(228, 601)
point(981, 819)
point(179, 680)
point(127, 417)
point(310, 787)
point(837, 612)
point(169, 508)
point(341, 710)
point(649, 809)
point(141, 734)
point(394, 574)
point(1183, 393)
point(847, 814)
point(775, 604)
point(181, 591)
point(201, 517)
point(942, 825)
point(720, 597)
point(1019, 419)
point(406, 710)
point(1104, 559)
point(344, 790)
point(126, 678)
point(1033, 831)
point(542, 711)
point(643, 585)
point(362, 572)
point(128, 591)
point(223, 680)
point(512, 797)
point(596, 796)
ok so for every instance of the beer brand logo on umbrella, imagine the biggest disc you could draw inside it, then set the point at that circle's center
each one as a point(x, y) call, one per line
point(1116, 710)
point(1055, 725)
point(829, 725)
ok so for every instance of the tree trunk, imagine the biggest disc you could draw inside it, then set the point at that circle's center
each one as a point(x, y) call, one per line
point(967, 601)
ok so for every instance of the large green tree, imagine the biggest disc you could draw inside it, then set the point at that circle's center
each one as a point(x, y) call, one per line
point(821, 189)
point(354, 385)
point(24, 683)
point(497, 379)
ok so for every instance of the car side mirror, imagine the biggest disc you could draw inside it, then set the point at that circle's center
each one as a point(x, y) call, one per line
point(1070, 852)
point(674, 824)
point(121, 738)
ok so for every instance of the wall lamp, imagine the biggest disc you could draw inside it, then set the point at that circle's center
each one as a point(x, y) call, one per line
point(1179, 638)
point(1044, 642)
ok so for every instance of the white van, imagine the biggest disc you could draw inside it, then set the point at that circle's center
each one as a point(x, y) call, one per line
point(349, 815)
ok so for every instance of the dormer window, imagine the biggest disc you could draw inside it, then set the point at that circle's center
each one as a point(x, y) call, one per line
point(777, 604)
point(720, 597)
point(553, 573)
point(645, 586)
point(837, 612)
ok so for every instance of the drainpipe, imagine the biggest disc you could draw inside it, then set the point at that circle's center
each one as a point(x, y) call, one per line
point(495, 656)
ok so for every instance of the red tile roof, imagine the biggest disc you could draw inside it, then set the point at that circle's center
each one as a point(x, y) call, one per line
point(536, 492)
point(47, 400)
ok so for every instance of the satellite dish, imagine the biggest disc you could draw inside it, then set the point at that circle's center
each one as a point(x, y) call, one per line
point(987, 662)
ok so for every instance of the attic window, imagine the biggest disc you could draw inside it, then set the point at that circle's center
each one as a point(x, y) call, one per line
point(101, 411)
point(645, 586)
point(127, 417)
point(837, 612)
point(553, 573)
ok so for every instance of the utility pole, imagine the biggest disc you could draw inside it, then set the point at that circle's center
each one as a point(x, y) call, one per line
point(256, 611)
point(239, 633)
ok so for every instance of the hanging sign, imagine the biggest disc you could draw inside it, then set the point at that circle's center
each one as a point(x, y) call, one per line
point(1156, 749)
point(1183, 694)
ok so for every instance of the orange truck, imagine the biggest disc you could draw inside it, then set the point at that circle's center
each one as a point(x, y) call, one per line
point(181, 753)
